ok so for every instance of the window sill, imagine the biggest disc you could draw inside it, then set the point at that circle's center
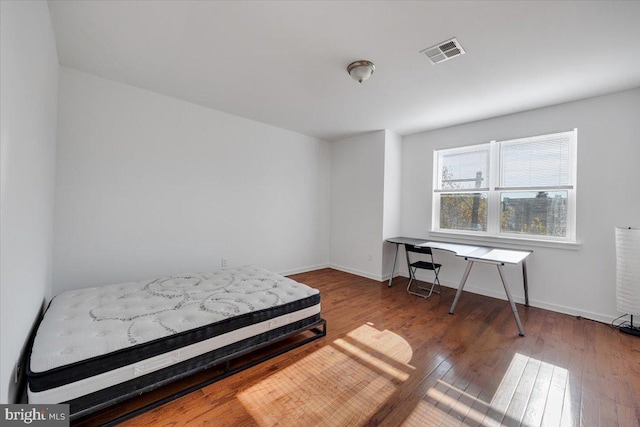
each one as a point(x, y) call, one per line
point(506, 242)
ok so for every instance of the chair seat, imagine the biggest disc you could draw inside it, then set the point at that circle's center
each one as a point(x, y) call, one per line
point(425, 265)
point(422, 265)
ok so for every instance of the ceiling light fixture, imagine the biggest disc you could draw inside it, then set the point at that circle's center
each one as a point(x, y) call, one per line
point(361, 70)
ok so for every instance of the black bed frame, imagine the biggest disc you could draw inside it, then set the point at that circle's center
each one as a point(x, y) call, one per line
point(103, 414)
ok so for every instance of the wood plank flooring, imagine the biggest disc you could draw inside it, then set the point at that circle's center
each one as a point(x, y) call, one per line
point(393, 359)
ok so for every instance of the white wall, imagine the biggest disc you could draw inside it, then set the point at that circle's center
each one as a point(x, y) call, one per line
point(357, 197)
point(28, 105)
point(149, 185)
point(365, 202)
point(392, 214)
point(581, 281)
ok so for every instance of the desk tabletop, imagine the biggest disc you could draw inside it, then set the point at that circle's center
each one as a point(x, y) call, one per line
point(473, 252)
point(406, 241)
point(481, 253)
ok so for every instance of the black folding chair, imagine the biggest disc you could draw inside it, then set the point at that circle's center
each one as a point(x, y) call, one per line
point(422, 265)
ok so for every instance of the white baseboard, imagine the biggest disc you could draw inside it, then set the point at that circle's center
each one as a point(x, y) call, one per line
point(303, 269)
point(358, 272)
point(598, 317)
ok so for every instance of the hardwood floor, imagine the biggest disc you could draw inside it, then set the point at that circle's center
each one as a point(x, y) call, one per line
point(393, 359)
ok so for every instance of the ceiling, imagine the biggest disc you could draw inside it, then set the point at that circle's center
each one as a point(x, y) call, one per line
point(284, 62)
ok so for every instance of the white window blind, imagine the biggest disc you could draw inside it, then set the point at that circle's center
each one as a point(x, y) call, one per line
point(537, 162)
point(464, 170)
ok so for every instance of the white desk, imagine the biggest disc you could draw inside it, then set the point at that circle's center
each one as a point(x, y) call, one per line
point(496, 256)
point(472, 254)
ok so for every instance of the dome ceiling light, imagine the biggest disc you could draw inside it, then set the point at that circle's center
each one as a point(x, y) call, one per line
point(361, 70)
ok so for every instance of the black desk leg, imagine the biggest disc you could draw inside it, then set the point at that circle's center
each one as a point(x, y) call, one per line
point(526, 283)
point(393, 270)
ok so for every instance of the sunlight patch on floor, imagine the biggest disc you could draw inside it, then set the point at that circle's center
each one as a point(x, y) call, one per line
point(531, 393)
point(341, 384)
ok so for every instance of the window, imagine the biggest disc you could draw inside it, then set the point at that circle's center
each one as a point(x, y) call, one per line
point(517, 188)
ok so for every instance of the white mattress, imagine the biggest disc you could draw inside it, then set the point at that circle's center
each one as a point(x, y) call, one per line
point(90, 328)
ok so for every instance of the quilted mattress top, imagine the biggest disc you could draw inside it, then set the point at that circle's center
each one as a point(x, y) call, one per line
point(91, 322)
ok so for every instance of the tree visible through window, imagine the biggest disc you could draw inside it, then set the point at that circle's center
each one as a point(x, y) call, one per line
point(523, 187)
point(462, 211)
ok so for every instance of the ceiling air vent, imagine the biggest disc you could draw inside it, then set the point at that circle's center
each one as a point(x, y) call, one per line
point(443, 51)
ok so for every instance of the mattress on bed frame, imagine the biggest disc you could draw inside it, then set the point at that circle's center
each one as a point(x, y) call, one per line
point(107, 343)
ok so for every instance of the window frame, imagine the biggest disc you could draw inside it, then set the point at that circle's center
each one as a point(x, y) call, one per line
point(495, 190)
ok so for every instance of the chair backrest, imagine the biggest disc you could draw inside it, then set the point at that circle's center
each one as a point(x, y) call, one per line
point(418, 249)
